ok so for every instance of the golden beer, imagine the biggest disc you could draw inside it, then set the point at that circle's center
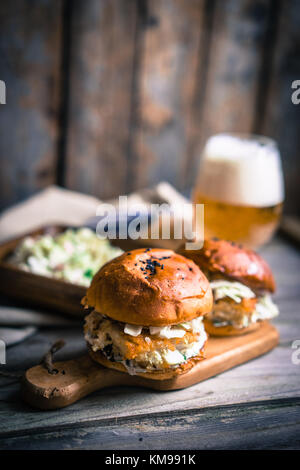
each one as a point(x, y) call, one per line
point(251, 226)
point(241, 186)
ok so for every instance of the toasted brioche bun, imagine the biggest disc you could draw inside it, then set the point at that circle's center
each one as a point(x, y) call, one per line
point(155, 375)
point(124, 290)
point(233, 262)
point(229, 330)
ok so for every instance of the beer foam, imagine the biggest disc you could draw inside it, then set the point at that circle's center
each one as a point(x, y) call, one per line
point(242, 171)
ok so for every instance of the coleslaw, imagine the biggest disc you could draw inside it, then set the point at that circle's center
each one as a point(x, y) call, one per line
point(73, 256)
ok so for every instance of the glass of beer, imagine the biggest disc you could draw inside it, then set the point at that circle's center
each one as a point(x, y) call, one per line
point(240, 183)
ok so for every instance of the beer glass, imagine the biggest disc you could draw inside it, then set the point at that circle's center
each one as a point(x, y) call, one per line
point(240, 183)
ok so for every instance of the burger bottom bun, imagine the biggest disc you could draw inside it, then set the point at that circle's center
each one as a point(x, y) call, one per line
point(229, 330)
point(155, 375)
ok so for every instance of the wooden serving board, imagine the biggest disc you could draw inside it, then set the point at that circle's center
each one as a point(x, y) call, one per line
point(79, 377)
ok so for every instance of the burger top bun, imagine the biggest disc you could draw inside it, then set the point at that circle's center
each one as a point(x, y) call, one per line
point(232, 261)
point(150, 287)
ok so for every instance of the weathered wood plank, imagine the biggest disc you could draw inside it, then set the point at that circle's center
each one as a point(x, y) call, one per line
point(167, 81)
point(101, 67)
point(271, 376)
point(268, 377)
point(228, 101)
point(29, 63)
point(272, 425)
point(265, 378)
point(281, 118)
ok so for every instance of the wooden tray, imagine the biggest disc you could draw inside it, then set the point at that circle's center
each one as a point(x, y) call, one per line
point(79, 377)
point(35, 289)
point(44, 291)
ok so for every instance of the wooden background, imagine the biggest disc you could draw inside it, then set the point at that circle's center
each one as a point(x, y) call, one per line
point(107, 96)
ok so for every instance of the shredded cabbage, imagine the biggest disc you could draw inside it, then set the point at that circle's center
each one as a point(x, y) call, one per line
point(167, 331)
point(171, 331)
point(74, 255)
point(132, 330)
point(265, 309)
point(235, 290)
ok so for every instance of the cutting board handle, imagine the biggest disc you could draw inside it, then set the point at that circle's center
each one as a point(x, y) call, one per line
point(72, 380)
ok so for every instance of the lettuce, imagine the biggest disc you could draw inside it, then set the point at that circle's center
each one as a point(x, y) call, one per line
point(265, 308)
point(234, 290)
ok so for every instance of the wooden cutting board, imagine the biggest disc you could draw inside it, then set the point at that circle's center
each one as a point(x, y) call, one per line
point(79, 377)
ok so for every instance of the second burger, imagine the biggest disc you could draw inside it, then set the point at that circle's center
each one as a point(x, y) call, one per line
point(241, 282)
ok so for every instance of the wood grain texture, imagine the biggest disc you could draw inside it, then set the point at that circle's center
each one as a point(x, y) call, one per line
point(142, 84)
point(29, 63)
point(259, 425)
point(228, 101)
point(168, 60)
point(285, 68)
point(101, 67)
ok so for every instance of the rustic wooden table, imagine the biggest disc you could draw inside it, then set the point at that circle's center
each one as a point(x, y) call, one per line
point(253, 406)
